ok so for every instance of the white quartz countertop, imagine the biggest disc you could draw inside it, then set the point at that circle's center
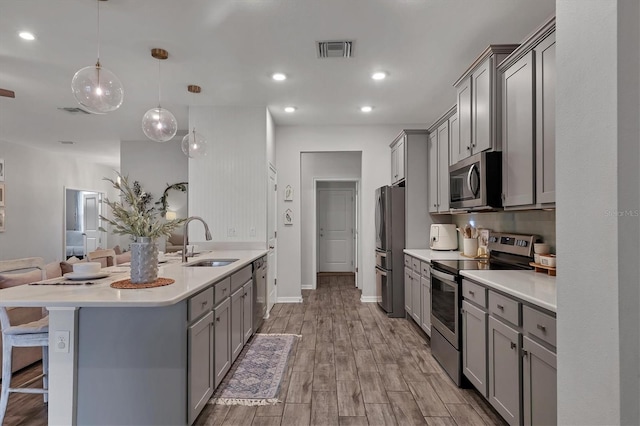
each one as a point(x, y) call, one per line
point(534, 287)
point(188, 281)
point(428, 255)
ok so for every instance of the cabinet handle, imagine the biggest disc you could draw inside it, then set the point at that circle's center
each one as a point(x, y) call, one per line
point(513, 345)
point(473, 293)
point(218, 319)
point(524, 353)
point(205, 303)
point(224, 290)
point(245, 295)
point(468, 148)
point(462, 310)
point(435, 205)
point(542, 328)
point(473, 145)
point(501, 307)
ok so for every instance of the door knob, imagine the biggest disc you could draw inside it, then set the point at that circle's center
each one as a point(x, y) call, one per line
point(271, 247)
point(321, 235)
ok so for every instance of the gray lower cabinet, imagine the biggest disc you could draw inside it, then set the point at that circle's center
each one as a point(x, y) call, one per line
point(504, 370)
point(222, 352)
point(416, 301)
point(426, 305)
point(408, 280)
point(247, 311)
point(200, 369)
point(540, 400)
point(237, 332)
point(474, 342)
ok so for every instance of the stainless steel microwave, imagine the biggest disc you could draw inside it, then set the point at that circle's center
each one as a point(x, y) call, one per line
point(475, 183)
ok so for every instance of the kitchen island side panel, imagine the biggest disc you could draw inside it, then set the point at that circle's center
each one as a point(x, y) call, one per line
point(132, 366)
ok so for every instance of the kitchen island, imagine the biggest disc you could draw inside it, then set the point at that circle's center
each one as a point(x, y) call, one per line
point(121, 356)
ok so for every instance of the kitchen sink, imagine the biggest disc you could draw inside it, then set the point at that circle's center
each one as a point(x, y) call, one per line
point(213, 262)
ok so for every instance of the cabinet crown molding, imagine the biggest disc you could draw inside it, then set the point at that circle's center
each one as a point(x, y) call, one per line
point(492, 49)
point(408, 132)
point(444, 117)
point(529, 43)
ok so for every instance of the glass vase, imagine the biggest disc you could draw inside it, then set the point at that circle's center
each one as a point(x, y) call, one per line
point(144, 260)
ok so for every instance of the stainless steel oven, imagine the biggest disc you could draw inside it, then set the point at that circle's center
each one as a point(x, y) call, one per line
point(445, 307)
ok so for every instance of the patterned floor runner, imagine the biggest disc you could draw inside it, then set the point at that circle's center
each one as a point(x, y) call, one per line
point(256, 376)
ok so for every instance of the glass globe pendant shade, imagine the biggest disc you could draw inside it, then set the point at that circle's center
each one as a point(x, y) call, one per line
point(159, 125)
point(97, 89)
point(194, 145)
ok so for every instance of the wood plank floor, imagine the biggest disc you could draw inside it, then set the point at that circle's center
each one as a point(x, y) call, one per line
point(352, 366)
point(355, 366)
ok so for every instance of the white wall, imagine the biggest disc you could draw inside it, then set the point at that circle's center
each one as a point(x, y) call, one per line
point(34, 186)
point(314, 165)
point(373, 142)
point(597, 179)
point(228, 187)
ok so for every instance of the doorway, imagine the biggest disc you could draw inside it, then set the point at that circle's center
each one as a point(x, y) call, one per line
point(336, 228)
point(272, 290)
point(82, 223)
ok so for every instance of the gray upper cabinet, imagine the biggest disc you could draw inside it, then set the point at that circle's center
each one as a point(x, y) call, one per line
point(528, 122)
point(454, 139)
point(478, 101)
point(546, 119)
point(409, 160)
point(440, 144)
point(518, 171)
point(397, 160)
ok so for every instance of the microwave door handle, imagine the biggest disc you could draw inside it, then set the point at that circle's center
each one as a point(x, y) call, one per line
point(469, 185)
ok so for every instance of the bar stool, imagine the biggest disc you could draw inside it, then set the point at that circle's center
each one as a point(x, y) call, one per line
point(32, 334)
point(102, 254)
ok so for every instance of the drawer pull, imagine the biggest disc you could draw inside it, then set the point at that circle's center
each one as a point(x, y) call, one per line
point(205, 303)
point(501, 307)
point(542, 328)
point(513, 345)
point(224, 290)
point(473, 293)
point(524, 353)
point(218, 319)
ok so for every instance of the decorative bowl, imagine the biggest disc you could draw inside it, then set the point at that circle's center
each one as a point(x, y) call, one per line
point(87, 267)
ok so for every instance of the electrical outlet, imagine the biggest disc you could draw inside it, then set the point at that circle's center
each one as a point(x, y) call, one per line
point(61, 341)
point(252, 232)
point(231, 232)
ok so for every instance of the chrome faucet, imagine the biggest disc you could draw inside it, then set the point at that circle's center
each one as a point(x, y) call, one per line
point(207, 234)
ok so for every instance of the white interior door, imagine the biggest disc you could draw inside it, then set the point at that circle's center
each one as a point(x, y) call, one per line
point(335, 230)
point(272, 292)
point(91, 221)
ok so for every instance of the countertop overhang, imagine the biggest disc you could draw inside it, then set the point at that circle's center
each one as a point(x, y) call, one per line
point(188, 281)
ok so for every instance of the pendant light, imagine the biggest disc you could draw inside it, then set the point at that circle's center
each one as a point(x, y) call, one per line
point(194, 145)
point(158, 124)
point(96, 88)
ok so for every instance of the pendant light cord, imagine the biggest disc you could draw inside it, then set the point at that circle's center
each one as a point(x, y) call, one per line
point(98, 32)
point(159, 85)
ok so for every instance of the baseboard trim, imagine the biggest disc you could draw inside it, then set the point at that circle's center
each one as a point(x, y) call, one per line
point(289, 300)
point(369, 299)
point(307, 287)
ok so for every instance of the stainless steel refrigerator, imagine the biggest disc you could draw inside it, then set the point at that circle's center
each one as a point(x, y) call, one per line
point(389, 249)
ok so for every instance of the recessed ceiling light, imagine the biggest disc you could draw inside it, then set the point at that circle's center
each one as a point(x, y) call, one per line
point(290, 109)
point(366, 108)
point(26, 35)
point(379, 75)
point(279, 76)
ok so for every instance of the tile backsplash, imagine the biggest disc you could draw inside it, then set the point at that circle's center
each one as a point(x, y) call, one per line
point(537, 222)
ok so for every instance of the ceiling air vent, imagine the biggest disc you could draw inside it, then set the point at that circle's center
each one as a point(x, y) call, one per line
point(335, 49)
point(74, 110)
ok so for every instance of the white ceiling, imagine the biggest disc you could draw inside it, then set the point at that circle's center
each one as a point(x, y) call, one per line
point(230, 48)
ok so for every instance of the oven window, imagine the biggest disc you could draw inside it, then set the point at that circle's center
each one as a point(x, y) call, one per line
point(443, 302)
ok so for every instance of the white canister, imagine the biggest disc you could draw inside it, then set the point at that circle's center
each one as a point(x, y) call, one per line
point(470, 247)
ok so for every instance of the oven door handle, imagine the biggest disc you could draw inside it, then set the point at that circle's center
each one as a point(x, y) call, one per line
point(381, 272)
point(442, 275)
